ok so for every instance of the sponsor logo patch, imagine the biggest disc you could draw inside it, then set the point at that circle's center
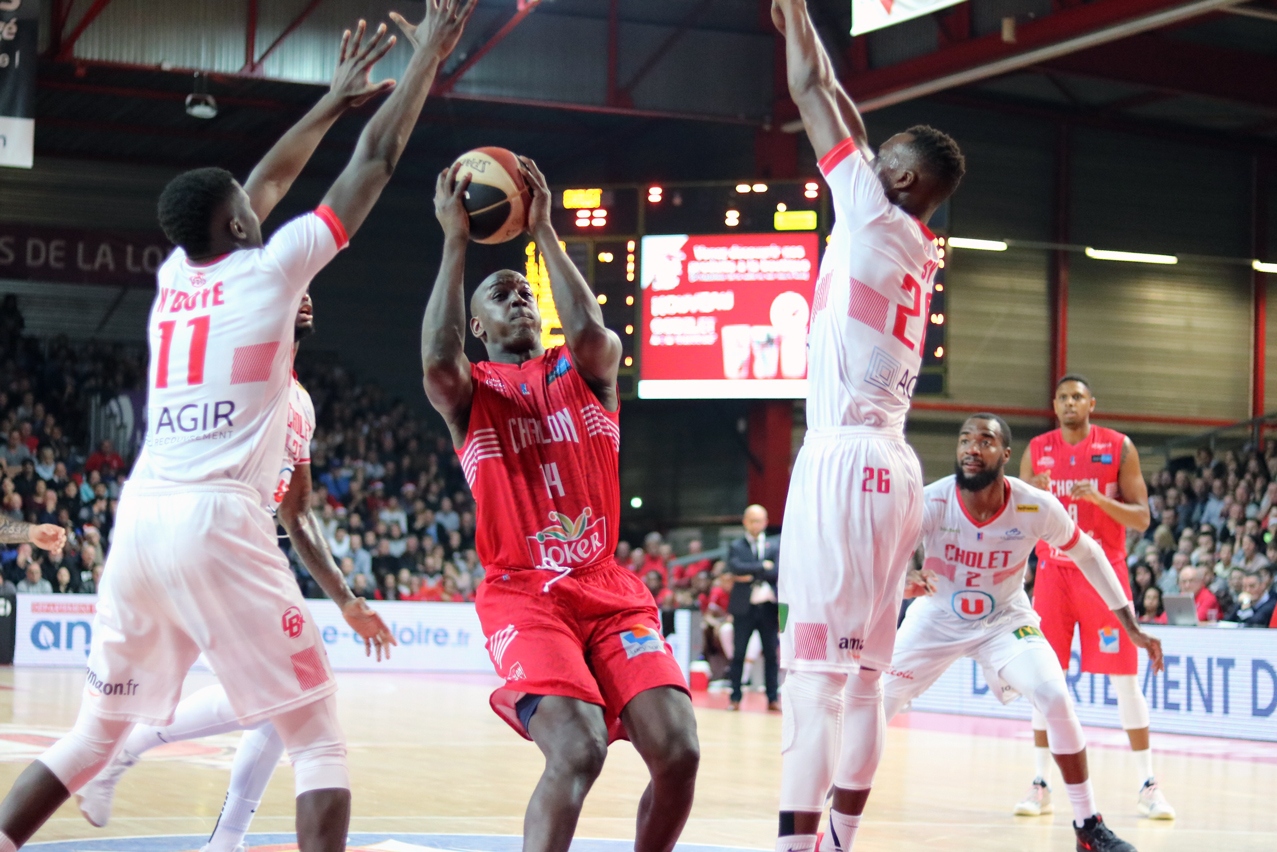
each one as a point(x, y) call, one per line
point(1026, 507)
point(516, 672)
point(1110, 640)
point(784, 616)
point(500, 643)
point(560, 369)
point(1013, 533)
point(570, 543)
point(1027, 630)
point(1046, 461)
point(972, 605)
point(640, 639)
point(1106, 458)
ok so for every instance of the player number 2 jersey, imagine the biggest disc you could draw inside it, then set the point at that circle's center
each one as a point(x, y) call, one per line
point(979, 567)
point(872, 303)
point(220, 337)
point(541, 458)
point(1098, 457)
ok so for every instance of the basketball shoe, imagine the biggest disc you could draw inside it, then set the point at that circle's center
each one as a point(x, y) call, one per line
point(96, 798)
point(1094, 836)
point(1152, 802)
point(1037, 801)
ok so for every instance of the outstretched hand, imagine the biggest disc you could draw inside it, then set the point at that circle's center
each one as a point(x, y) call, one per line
point(370, 627)
point(48, 537)
point(1152, 645)
point(351, 84)
point(441, 28)
point(450, 202)
point(539, 210)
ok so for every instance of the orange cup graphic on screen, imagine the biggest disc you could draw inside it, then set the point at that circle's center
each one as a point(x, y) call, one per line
point(789, 315)
point(765, 349)
point(736, 351)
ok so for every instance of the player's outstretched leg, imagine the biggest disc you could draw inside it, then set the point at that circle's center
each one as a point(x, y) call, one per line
point(1036, 674)
point(864, 733)
point(255, 760)
point(203, 714)
point(661, 725)
point(810, 741)
point(1132, 709)
point(573, 737)
point(49, 781)
point(1037, 801)
point(318, 751)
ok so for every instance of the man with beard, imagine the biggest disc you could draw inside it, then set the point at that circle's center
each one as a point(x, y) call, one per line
point(978, 530)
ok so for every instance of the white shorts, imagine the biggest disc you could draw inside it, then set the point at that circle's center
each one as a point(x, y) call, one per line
point(929, 642)
point(198, 569)
point(852, 520)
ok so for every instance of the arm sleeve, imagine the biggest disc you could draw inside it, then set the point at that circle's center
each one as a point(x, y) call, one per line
point(305, 245)
point(858, 195)
point(1061, 531)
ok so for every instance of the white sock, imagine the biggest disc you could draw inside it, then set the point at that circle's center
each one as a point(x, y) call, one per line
point(843, 828)
point(7, 845)
point(1082, 798)
point(255, 760)
point(790, 843)
point(1144, 765)
point(1042, 761)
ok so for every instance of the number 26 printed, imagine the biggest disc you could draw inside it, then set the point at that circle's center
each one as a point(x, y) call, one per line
point(876, 479)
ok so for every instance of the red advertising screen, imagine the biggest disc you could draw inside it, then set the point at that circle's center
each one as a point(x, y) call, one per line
point(725, 316)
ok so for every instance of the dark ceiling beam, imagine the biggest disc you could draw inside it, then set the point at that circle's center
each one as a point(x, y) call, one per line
point(131, 92)
point(688, 22)
point(67, 43)
point(254, 66)
point(1037, 41)
point(486, 46)
point(1178, 66)
point(602, 109)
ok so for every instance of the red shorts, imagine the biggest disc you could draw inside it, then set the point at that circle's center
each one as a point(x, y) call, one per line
point(595, 635)
point(1063, 598)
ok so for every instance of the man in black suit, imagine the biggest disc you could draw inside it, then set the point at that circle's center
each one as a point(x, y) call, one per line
point(752, 560)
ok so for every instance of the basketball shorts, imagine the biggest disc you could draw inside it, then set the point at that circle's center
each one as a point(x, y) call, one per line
point(198, 569)
point(1064, 598)
point(852, 519)
point(594, 635)
point(928, 643)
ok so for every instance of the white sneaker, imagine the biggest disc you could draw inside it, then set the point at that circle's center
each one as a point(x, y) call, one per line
point(1037, 802)
point(96, 797)
point(1152, 802)
point(239, 848)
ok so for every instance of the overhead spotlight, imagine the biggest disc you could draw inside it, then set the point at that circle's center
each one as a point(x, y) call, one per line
point(655, 195)
point(1260, 266)
point(744, 188)
point(760, 187)
point(978, 245)
point(1129, 256)
point(199, 103)
point(732, 219)
point(602, 298)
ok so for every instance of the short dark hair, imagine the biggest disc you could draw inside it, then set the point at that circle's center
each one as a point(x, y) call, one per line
point(1003, 427)
point(941, 154)
point(1073, 377)
point(187, 204)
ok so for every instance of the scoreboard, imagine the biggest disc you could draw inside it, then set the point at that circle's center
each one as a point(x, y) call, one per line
point(708, 285)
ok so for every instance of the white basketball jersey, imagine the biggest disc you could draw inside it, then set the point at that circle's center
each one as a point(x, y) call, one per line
point(301, 428)
point(220, 338)
point(979, 567)
point(873, 298)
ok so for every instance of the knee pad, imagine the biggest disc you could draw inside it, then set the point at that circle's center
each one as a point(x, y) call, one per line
point(864, 732)
point(809, 738)
point(1132, 706)
point(79, 756)
point(1038, 720)
point(315, 746)
point(1063, 730)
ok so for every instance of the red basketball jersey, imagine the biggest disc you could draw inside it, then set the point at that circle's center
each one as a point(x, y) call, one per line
point(1098, 457)
point(542, 458)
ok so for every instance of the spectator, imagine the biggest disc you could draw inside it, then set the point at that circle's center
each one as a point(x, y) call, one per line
point(1169, 581)
point(47, 465)
point(1248, 557)
point(385, 563)
point(340, 544)
point(105, 460)
point(360, 554)
point(1192, 583)
point(656, 585)
point(1256, 603)
point(752, 560)
point(62, 582)
point(1213, 510)
point(33, 582)
point(15, 452)
point(447, 516)
point(1141, 581)
point(1154, 612)
point(359, 585)
point(389, 588)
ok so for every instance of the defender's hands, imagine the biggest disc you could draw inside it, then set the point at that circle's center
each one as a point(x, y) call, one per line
point(1041, 480)
point(48, 536)
point(1086, 490)
point(441, 28)
point(450, 203)
point(920, 583)
point(370, 627)
point(1151, 644)
point(539, 210)
point(351, 85)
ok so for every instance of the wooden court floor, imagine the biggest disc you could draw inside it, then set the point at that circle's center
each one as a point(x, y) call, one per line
point(427, 755)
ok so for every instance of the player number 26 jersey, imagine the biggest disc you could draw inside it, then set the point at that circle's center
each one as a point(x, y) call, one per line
point(541, 457)
point(220, 337)
point(873, 298)
point(979, 567)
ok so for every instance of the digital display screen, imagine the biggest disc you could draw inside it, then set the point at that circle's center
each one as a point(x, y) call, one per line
point(724, 316)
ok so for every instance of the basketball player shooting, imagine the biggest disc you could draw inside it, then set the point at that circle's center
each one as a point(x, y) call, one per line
point(194, 565)
point(854, 509)
point(576, 637)
point(1095, 472)
point(208, 712)
point(978, 529)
